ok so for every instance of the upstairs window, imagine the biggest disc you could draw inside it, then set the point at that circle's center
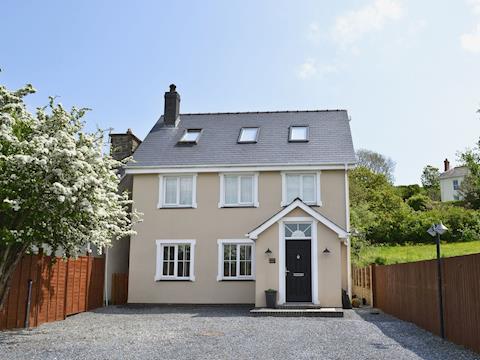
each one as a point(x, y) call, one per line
point(177, 191)
point(248, 135)
point(190, 136)
point(298, 134)
point(456, 185)
point(237, 190)
point(305, 186)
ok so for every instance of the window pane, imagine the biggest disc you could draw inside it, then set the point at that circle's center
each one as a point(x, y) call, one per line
point(248, 135)
point(231, 189)
point(309, 188)
point(242, 268)
point(171, 268)
point(233, 268)
point(248, 252)
point(242, 252)
point(293, 187)
point(165, 253)
point(180, 268)
point(165, 268)
point(248, 270)
point(298, 133)
point(187, 252)
point(306, 228)
point(186, 190)
point(170, 190)
point(171, 252)
point(233, 252)
point(180, 252)
point(246, 187)
point(226, 268)
point(187, 268)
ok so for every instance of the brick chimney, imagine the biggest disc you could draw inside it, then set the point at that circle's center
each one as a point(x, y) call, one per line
point(446, 165)
point(123, 145)
point(172, 107)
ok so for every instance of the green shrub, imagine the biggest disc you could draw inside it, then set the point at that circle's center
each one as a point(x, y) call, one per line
point(420, 202)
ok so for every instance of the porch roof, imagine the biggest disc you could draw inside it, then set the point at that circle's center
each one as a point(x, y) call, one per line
point(297, 203)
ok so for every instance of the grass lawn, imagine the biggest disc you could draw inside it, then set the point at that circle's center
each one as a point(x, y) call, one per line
point(394, 254)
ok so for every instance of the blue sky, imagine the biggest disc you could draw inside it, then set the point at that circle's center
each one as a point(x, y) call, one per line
point(407, 71)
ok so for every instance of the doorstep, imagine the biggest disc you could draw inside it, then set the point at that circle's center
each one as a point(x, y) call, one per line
point(303, 312)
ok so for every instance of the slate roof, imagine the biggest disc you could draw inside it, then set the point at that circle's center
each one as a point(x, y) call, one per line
point(330, 140)
point(459, 171)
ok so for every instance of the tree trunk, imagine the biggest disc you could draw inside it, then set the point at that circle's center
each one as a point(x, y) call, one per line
point(10, 256)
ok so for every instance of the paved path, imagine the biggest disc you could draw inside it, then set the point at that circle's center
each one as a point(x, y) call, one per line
point(224, 333)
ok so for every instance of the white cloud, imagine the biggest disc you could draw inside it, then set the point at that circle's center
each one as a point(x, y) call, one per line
point(314, 32)
point(307, 69)
point(471, 41)
point(311, 68)
point(351, 26)
point(475, 4)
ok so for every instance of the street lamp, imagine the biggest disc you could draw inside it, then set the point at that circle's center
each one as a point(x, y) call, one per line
point(436, 231)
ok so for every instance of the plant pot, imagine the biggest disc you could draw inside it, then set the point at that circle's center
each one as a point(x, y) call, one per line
point(271, 298)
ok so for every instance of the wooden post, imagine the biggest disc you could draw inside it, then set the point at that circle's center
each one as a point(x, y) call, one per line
point(373, 284)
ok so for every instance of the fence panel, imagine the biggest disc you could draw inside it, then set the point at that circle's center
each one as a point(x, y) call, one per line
point(410, 292)
point(58, 290)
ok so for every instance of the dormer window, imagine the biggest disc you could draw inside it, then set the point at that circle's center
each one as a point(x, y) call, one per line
point(248, 135)
point(298, 134)
point(190, 136)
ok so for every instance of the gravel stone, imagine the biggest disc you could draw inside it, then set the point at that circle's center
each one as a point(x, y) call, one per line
point(219, 332)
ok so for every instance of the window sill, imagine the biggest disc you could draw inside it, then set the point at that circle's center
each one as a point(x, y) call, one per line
point(238, 206)
point(177, 207)
point(226, 279)
point(177, 279)
point(316, 205)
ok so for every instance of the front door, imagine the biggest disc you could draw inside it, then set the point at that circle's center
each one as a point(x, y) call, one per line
point(298, 273)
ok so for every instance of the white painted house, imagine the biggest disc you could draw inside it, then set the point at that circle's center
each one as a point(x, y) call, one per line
point(450, 181)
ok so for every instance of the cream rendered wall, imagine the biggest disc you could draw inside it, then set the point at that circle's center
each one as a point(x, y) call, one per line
point(206, 224)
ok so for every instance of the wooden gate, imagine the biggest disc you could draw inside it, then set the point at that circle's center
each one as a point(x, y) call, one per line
point(119, 288)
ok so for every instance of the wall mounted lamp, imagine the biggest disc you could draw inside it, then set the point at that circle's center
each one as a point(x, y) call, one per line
point(326, 251)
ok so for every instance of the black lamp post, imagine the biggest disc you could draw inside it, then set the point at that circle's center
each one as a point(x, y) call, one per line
point(436, 231)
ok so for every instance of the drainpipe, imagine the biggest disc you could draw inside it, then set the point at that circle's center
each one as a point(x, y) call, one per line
point(347, 222)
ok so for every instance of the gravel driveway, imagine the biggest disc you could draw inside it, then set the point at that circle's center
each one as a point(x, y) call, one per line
point(224, 333)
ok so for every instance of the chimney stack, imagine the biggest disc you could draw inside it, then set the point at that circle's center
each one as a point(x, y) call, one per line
point(123, 145)
point(446, 165)
point(172, 107)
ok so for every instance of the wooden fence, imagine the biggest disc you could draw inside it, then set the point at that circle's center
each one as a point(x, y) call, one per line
point(410, 292)
point(119, 288)
point(59, 289)
point(362, 284)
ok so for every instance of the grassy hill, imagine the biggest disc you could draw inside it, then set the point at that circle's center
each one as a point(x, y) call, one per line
point(388, 254)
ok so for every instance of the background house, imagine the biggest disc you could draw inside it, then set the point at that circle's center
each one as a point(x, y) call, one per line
point(450, 181)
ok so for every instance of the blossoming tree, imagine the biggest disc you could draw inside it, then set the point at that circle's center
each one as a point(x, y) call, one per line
point(57, 188)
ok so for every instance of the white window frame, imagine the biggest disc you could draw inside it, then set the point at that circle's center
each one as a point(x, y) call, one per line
point(161, 191)
point(307, 133)
point(255, 203)
point(457, 186)
point(182, 141)
point(221, 243)
point(318, 197)
point(159, 263)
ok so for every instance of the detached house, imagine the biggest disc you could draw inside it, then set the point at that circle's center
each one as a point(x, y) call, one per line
point(237, 203)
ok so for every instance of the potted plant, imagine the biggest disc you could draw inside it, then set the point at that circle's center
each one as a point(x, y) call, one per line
point(271, 298)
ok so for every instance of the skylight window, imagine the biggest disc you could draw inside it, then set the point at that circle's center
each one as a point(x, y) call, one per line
point(190, 136)
point(248, 135)
point(298, 134)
